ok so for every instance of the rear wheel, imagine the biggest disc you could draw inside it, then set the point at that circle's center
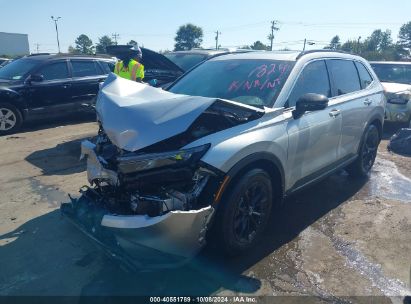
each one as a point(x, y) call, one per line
point(10, 119)
point(246, 212)
point(367, 153)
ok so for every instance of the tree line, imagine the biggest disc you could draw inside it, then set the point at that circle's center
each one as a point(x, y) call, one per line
point(84, 45)
point(378, 46)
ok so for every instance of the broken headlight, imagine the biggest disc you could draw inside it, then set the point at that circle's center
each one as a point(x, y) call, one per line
point(143, 162)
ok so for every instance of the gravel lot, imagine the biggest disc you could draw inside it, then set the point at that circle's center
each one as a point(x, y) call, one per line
point(339, 238)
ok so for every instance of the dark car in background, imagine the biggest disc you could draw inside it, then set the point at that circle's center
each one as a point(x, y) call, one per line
point(4, 62)
point(40, 86)
point(188, 59)
point(45, 85)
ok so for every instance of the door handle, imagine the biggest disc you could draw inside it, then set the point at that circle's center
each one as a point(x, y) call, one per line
point(335, 113)
point(367, 101)
point(66, 86)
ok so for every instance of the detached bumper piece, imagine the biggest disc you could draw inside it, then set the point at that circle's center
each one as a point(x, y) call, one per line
point(140, 242)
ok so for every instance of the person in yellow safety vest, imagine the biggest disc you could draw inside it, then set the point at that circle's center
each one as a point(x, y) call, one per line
point(129, 67)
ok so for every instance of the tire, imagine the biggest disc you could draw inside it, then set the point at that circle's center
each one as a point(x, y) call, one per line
point(10, 119)
point(367, 153)
point(245, 213)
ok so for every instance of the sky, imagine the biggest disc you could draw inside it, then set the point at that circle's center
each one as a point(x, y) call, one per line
point(153, 24)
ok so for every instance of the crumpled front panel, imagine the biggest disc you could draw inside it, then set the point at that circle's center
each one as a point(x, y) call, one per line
point(135, 115)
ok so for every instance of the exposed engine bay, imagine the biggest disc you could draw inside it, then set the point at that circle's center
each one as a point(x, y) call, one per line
point(133, 184)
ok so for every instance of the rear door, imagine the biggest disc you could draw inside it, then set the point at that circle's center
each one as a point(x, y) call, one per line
point(314, 137)
point(87, 75)
point(53, 93)
point(353, 100)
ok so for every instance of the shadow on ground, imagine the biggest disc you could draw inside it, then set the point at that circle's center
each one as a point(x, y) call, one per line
point(63, 159)
point(54, 258)
point(64, 120)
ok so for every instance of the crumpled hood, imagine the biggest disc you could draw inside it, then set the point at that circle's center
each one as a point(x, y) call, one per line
point(135, 115)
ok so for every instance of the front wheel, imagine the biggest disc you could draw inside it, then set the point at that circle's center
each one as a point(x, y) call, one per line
point(10, 119)
point(367, 153)
point(246, 212)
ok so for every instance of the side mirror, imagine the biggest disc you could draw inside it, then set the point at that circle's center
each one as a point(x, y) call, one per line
point(309, 102)
point(36, 78)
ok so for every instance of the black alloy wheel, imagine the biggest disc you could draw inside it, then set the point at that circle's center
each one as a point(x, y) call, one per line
point(367, 153)
point(246, 212)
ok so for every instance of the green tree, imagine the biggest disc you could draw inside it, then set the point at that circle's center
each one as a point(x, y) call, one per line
point(378, 41)
point(103, 43)
point(84, 45)
point(188, 36)
point(351, 46)
point(71, 50)
point(404, 37)
point(258, 45)
point(335, 43)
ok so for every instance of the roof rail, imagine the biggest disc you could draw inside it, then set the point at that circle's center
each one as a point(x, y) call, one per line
point(322, 51)
point(38, 54)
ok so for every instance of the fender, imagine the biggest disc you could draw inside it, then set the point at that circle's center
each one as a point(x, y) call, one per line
point(13, 97)
point(259, 156)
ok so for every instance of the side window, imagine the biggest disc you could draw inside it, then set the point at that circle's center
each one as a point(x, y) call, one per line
point(83, 68)
point(53, 71)
point(107, 66)
point(365, 77)
point(313, 79)
point(345, 76)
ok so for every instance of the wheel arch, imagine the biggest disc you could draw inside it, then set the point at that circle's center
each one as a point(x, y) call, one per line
point(262, 160)
point(8, 96)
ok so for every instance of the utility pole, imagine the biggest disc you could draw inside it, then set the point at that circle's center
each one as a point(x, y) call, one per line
point(307, 42)
point(37, 47)
point(358, 44)
point(217, 33)
point(115, 36)
point(271, 36)
point(57, 30)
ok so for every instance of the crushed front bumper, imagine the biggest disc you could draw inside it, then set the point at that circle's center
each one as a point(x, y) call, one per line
point(140, 242)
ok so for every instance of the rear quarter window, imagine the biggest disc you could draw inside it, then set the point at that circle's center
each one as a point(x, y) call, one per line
point(365, 77)
point(108, 67)
point(344, 75)
point(83, 68)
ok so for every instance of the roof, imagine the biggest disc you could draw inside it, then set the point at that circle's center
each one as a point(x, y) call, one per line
point(273, 55)
point(46, 56)
point(199, 51)
point(286, 55)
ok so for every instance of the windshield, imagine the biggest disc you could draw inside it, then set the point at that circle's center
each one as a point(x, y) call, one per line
point(17, 69)
point(399, 73)
point(186, 61)
point(249, 81)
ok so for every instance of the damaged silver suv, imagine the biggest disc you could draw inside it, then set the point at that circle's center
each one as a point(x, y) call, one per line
point(211, 157)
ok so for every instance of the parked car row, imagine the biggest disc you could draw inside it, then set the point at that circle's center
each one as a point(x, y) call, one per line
point(43, 86)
